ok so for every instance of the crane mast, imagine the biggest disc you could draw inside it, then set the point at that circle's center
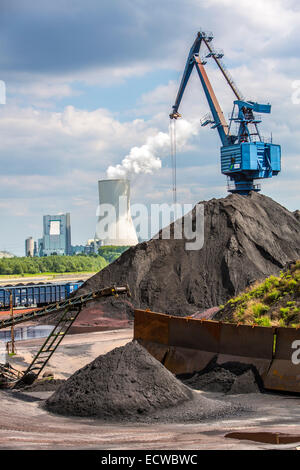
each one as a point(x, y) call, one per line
point(245, 156)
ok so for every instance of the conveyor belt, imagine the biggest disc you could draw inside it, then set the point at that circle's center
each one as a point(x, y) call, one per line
point(60, 306)
point(71, 309)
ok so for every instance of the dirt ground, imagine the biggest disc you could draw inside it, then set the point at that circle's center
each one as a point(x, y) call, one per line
point(25, 424)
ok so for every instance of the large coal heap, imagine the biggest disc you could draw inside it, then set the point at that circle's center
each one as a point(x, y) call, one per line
point(247, 238)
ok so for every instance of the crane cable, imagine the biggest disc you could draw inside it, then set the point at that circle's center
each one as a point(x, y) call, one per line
point(173, 158)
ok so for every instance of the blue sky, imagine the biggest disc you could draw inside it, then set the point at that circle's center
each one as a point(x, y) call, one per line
point(88, 80)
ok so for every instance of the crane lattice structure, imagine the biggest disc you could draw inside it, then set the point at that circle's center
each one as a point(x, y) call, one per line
point(245, 156)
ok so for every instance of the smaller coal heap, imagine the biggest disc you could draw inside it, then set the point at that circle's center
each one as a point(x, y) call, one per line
point(126, 381)
point(128, 384)
point(231, 378)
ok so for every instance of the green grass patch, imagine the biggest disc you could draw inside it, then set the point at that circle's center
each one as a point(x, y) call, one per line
point(273, 302)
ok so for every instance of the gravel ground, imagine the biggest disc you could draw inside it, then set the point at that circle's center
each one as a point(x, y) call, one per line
point(43, 385)
point(26, 424)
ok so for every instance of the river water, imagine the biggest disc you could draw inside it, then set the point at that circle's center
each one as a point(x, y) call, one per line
point(26, 332)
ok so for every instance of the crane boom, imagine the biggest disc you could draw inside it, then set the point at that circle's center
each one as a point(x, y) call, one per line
point(186, 75)
point(193, 60)
point(219, 119)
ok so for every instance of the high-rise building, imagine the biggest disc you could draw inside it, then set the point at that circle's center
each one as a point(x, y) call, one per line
point(56, 235)
point(40, 247)
point(29, 247)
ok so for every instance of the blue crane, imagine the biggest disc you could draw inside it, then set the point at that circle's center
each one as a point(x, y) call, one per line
point(245, 156)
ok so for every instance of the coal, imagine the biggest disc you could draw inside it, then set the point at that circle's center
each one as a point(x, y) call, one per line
point(245, 383)
point(297, 215)
point(247, 238)
point(231, 378)
point(217, 380)
point(128, 384)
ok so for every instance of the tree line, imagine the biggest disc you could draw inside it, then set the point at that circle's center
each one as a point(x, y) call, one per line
point(61, 264)
point(52, 264)
point(111, 253)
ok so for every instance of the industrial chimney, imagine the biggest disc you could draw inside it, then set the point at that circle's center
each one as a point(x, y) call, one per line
point(114, 225)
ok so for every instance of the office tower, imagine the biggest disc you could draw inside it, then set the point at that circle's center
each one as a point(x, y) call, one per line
point(56, 235)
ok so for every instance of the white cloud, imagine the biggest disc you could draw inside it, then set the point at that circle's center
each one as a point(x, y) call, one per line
point(272, 15)
point(51, 160)
point(71, 136)
point(147, 158)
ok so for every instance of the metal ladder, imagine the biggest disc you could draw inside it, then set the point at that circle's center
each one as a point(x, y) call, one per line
point(8, 374)
point(71, 309)
point(49, 347)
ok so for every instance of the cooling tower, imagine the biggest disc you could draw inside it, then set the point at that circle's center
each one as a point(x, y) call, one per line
point(114, 225)
point(29, 247)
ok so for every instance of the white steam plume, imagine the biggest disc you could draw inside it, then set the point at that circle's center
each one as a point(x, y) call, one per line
point(147, 158)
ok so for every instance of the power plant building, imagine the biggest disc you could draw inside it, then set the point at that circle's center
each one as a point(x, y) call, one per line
point(114, 225)
point(56, 235)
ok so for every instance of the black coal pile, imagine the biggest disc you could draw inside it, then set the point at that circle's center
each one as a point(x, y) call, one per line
point(246, 238)
point(128, 384)
point(222, 380)
point(297, 215)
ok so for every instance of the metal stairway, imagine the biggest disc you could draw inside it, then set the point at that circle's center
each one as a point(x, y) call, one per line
point(8, 374)
point(71, 309)
point(49, 347)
